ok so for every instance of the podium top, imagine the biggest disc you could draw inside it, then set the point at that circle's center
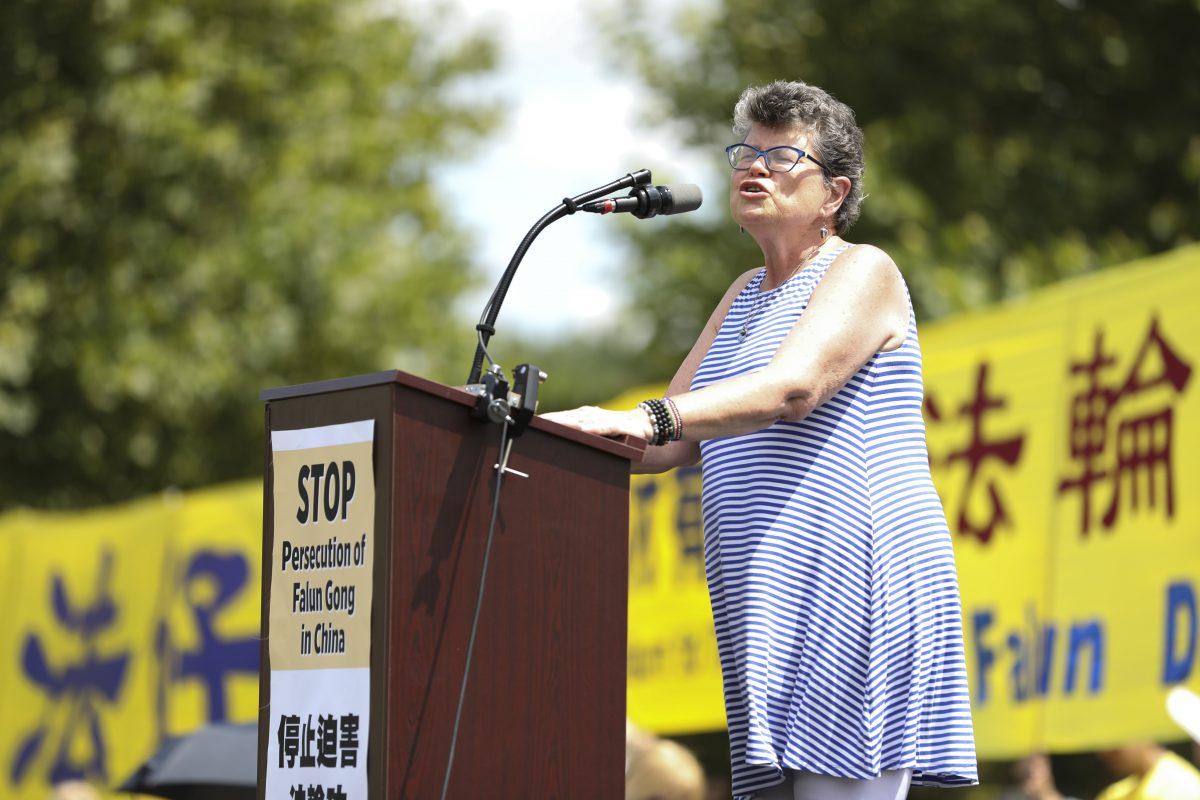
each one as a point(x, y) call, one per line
point(629, 447)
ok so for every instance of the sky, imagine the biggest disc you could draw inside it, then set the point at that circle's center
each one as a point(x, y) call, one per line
point(573, 122)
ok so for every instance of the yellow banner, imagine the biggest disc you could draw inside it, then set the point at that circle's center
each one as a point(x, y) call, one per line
point(1063, 435)
point(123, 626)
point(1064, 445)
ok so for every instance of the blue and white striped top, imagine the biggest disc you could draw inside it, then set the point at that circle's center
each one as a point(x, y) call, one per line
point(831, 571)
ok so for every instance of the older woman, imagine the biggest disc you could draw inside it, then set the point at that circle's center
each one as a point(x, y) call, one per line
point(828, 557)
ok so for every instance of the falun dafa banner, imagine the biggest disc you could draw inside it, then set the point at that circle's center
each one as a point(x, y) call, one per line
point(125, 626)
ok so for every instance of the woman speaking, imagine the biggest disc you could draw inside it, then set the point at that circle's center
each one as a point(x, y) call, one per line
point(828, 558)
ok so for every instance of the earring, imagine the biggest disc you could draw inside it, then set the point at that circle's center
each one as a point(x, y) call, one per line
point(824, 233)
point(741, 229)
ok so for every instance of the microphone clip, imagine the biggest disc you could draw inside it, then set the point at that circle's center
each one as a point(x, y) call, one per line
point(499, 402)
point(491, 394)
point(650, 200)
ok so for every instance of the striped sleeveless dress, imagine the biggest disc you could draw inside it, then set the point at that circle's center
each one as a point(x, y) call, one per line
point(831, 572)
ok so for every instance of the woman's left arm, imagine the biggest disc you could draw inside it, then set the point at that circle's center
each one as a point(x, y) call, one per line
point(859, 308)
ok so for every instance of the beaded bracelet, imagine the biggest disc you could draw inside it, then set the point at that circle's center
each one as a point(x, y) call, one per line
point(677, 434)
point(655, 434)
point(665, 423)
point(659, 421)
point(662, 422)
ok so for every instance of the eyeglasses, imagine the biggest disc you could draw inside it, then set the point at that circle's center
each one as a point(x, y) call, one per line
point(778, 159)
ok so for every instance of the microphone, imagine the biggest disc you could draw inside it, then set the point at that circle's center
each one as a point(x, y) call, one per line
point(650, 201)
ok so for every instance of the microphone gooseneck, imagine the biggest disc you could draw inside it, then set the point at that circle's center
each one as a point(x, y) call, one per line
point(487, 320)
point(644, 201)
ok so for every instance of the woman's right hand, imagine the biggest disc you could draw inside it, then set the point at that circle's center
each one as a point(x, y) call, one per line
point(603, 422)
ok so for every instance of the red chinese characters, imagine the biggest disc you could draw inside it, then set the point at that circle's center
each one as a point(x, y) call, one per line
point(1140, 455)
point(978, 450)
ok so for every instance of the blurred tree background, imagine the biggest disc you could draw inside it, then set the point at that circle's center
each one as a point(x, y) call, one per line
point(1009, 145)
point(199, 200)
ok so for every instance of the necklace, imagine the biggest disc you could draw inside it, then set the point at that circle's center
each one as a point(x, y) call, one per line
point(765, 297)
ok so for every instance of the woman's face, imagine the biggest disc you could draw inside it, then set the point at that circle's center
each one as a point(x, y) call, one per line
point(759, 198)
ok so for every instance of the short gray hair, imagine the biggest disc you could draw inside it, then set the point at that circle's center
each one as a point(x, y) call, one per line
point(839, 140)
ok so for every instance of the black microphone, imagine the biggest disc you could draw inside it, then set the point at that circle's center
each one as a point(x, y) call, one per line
point(650, 201)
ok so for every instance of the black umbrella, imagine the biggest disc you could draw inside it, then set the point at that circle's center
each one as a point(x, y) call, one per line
point(217, 761)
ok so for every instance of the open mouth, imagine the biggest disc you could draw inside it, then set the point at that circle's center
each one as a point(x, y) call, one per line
point(751, 189)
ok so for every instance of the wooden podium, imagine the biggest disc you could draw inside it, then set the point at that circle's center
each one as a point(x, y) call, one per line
point(544, 710)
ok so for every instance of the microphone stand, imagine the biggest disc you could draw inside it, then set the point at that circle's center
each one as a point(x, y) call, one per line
point(487, 320)
point(512, 411)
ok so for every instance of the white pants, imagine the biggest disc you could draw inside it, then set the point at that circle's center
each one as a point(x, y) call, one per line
point(890, 785)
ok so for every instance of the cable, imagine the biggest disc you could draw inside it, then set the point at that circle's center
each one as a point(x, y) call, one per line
point(501, 463)
point(484, 351)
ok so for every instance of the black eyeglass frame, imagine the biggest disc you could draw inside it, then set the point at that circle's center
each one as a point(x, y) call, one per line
point(800, 154)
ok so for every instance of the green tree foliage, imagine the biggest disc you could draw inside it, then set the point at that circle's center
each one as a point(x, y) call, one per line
point(199, 200)
point(1009, 145)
